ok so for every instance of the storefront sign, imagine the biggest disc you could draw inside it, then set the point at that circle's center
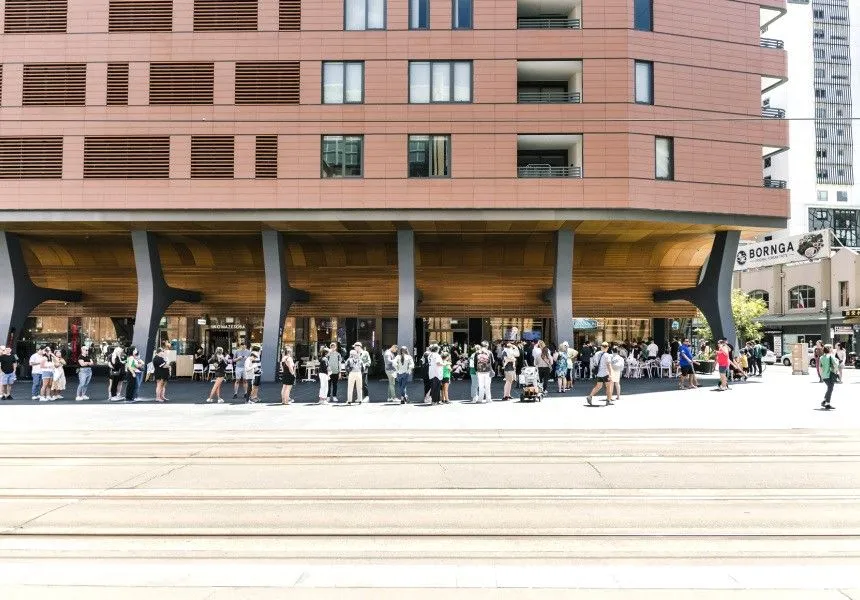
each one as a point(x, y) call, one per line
point(843, 330)
point(780, 251)
point(853, 313)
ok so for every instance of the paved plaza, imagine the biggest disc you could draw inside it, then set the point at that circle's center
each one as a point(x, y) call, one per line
point(667, 494)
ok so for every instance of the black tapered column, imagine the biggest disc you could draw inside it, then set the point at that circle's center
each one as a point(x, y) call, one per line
point(713, 294)
point(279, 297)
point(154, 296)
point(18, 294)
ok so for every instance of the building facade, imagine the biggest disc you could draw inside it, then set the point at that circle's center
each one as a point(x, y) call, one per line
point(273, 166)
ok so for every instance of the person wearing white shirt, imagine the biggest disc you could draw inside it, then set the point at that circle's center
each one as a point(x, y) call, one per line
point(653, 350)
point(36, 369)
point(434, 373)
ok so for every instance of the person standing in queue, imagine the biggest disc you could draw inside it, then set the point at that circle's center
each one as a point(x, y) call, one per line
point(8, 365)
point(354, 370)
point(288, 375)
point(322, 374)
point(132, 369)
point(218, 368)
point(239, 358)
point(403, 366)
point(117, 374)
point(161, 371)
point(390, 372)
point(334, 360)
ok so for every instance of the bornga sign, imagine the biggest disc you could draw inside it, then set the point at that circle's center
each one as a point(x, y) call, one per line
point(808, 246)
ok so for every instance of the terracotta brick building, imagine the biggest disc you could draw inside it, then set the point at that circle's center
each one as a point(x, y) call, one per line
point(410, 161)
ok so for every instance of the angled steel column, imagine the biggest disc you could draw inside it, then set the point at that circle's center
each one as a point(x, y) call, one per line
point(408, 295)
point(713, 294)
point(18, 294)
point(561, 295)
point(279, 297)
point(154, 296)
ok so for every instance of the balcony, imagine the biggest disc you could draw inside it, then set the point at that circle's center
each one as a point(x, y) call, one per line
point(542, 156)
point(549, 81)
point(549, 14)
point(772, 113)
point(777, 184)
point(771, 43)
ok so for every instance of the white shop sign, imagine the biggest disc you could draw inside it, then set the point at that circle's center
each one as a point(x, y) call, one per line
point(808, 246)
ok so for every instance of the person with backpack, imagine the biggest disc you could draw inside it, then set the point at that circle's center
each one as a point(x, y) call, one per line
point(484, 370)
point(829, 367)
point(601, 359)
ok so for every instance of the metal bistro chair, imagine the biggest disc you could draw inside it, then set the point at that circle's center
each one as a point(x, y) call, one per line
point(198, 371)
point(311, 368)
point(228, 373)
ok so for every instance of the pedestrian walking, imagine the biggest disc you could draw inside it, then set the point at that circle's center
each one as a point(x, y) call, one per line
point(390, 372)
point(841, 356)
point(354, 368)
point(829, 366)
point(239, 358)
point(322, 375)
point(403, 366)
point(817, 352)
point(334, 360)
point(603, 380)
point(685, 361)
point(616, 370)
point(218, 368)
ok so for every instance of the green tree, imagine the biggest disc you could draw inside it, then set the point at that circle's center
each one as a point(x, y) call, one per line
point(746, 312)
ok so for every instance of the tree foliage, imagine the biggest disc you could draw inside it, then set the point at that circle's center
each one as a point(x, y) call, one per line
point(746, 312)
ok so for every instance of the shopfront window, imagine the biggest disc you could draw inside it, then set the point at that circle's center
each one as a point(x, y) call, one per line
point(801, 296)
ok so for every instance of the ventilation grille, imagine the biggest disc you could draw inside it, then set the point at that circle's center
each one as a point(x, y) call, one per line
point(31, 158)
point(211, 157)
point(267, 83)
point(55, 85)
point(127, 157)
point(181, 83)
point(36, 16)
point(225, 15)
point(290, 16)
point(117, 84)
point(140, 15)
point(266, 166)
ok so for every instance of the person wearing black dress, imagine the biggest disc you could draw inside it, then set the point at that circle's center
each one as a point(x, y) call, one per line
point(218, 367)
point(288, 375)
point(161, 369)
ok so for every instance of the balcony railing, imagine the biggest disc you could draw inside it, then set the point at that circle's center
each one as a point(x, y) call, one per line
point(549, 96)
point(549, 171)
point(772, 113)
point(778, 184)
point(548, 23)
point(772, 43)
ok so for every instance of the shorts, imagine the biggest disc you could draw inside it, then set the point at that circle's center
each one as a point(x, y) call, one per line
point(48, 375)
point(7, 378)
point(510, 375)
point(446, 380)
point(686, 370)
point(724, 370)
point(256, 381)
point(603, 378)
point(240, 373)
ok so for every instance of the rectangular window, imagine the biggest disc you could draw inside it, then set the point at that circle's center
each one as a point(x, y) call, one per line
point(343, 82)
point(664, 158)
point(429, 156)
point(140, 157)
point(267, 82)
point(822, 195)
point(844, 299)
point(26, 16)
point(212, 156)
point(419, 14)
point(462, 14)
point(266, 158)
point(117, 84)
point(842, 196)
point(644, 82)
point(55, 84)
point(342, 156)
point(140, 15)
point(31, 157)
point(643, 18)
point(181, 83)
point(440, 81)
point(364, 14)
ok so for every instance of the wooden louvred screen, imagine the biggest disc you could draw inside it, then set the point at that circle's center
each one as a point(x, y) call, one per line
point(212, 156)
point(55, 84)
point(117, 84)
point(31, 158)
point(266, 164)
point(225, 15)
point(140, 15)
point(181, 83)
point(290, 15)
point(114, 157)
point(267, 82)
point(36, 16)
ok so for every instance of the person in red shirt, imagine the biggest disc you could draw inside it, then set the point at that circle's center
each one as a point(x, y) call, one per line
point(724, 359)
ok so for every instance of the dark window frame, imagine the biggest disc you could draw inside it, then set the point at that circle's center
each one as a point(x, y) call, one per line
point(366, 28)
point(650, 65)
point(804, 293)
point(641, 20)
point(426, 15)
point(448, 157)
point(454, 13)
point(451, 64)
point(343, 163)
point(763, 295)
point(344, 63)
point(671, 175)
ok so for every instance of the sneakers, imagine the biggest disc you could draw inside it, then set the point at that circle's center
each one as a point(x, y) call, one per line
point(44, 399)
point(235, 395)
point(79, 398)
point(209, 400)
point(826, 405)
point(588, 399)
point(220, 400)
point(367, 398)
point(34, 398)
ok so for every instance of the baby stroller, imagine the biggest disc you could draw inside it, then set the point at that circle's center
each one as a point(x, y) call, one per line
point(531, 389)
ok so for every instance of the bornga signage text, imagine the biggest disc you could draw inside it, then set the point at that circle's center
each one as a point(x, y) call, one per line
point(808, 246)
